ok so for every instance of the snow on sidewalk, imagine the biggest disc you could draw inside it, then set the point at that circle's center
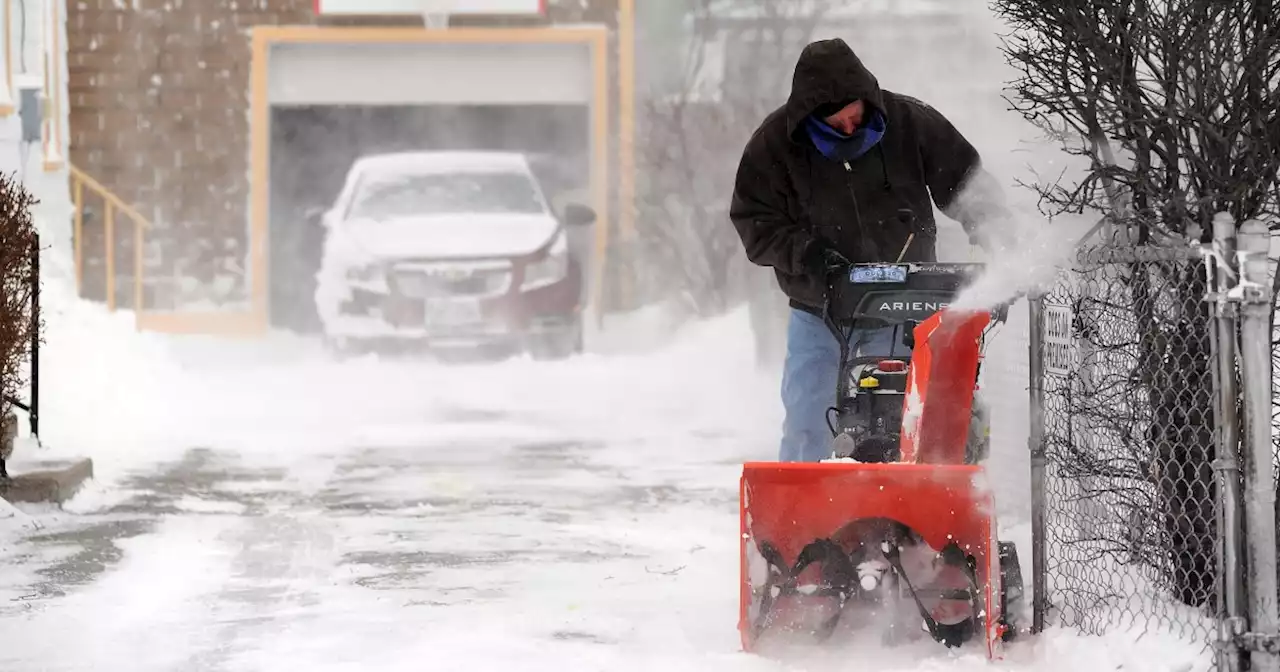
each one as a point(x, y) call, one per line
point(396, 515)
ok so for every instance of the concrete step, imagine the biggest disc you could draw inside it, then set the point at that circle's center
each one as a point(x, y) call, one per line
point(45, 481)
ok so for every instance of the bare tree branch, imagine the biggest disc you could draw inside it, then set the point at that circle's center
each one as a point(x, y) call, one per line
point(1173, 103)
point(1185, 90)
point(694, 134)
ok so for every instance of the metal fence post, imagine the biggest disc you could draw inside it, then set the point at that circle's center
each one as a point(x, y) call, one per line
point(1259, 482)
point(1035, 441)
point(1222, 275)
point(36, 323)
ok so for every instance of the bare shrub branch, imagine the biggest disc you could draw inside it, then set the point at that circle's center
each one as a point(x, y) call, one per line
point(18, 242)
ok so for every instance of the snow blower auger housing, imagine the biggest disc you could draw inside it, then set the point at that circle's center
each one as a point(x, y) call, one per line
point(896, 531)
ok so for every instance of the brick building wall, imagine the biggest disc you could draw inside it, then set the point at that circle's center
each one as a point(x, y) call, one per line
point(158, 105)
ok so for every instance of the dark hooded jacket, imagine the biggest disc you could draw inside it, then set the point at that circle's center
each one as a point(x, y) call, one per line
point(790, 201)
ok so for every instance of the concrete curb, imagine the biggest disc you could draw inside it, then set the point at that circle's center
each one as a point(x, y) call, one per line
point(52, 481)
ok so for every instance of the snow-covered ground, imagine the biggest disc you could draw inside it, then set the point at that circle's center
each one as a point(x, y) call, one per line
point(261, 507)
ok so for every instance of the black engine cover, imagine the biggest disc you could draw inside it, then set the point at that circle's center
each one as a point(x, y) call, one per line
point(872, 417)
point(869, 420)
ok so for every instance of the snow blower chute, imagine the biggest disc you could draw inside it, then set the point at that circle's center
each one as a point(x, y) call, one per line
point(897, 531)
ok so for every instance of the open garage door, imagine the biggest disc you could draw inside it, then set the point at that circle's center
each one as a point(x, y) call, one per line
point(431, 74)
point(336, 94)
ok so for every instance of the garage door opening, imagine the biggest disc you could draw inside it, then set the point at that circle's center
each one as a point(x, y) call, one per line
point(313, 147)
point(323, 96)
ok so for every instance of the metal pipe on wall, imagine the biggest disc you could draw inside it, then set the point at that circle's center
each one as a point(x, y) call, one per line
point(1035, 441)
point(1260, 493)
point(1222, 275)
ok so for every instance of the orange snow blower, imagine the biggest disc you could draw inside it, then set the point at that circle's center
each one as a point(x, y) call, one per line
point(897, 530)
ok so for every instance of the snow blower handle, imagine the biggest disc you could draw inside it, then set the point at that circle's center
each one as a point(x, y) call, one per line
point(832, 265)
point(832, 272)
point(907, 216)
point(1000, 311)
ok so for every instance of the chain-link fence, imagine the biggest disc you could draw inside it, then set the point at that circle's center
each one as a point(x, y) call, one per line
point(1274, 267)
point(1128, 502)
point(1153, 463)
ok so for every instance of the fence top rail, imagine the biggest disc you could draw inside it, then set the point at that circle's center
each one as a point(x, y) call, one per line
point(1102, 255)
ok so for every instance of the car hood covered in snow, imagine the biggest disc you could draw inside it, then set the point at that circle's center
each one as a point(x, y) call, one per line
point(449, 236)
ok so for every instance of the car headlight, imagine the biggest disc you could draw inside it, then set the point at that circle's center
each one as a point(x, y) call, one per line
point(550, 269)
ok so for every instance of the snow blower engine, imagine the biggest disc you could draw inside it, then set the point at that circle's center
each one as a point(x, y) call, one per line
point(896, 532)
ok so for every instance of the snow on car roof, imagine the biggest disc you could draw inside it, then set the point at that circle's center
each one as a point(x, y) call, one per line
point(442, 161)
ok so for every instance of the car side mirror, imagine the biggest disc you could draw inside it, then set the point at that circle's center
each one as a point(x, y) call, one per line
point(576, 214)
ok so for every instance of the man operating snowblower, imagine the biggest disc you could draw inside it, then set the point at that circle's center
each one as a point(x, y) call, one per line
point(843, 173)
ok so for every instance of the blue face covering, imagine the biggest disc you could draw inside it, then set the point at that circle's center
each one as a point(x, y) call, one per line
point(840, 147)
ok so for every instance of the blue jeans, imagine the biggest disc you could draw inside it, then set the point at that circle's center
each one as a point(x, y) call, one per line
point(809, 380)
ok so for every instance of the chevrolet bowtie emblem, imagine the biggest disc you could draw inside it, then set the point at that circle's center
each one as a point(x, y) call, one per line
point(452, 273)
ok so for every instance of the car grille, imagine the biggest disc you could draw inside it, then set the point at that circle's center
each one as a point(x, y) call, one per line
point(431, 280)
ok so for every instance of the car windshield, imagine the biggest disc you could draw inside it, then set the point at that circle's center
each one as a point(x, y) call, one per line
point(446, 193)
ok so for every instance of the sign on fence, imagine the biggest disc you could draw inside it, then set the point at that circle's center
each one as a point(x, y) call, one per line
point(1058, 346)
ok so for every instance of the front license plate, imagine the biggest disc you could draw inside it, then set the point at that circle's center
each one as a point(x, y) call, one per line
point(413, 285)
point(452, 312)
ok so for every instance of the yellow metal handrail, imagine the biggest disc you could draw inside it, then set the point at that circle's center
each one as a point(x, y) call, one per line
point(80, 180)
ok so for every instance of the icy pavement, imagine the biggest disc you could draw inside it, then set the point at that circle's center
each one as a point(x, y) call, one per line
point(278, 511)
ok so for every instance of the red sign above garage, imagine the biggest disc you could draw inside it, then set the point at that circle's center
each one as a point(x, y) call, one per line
point(409, 7)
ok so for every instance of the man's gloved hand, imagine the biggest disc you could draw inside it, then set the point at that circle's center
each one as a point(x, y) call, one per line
point(1000, 313)
point(823, 260)
point(834, 261)
point(998, 233)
